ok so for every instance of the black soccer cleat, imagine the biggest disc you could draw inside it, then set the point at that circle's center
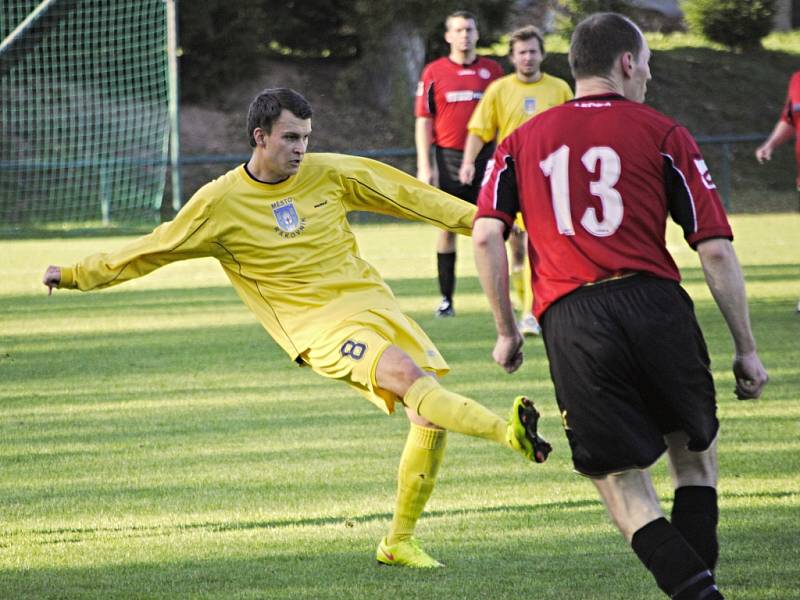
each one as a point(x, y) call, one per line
point(529, 417)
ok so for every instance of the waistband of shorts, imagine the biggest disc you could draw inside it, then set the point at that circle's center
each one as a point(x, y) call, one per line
point(617, 282)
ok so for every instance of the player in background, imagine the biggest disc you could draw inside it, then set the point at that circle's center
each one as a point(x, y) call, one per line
point(278, 227)
point(787, 127)
point(595, 180)
point(507, 103)
point(448, 91)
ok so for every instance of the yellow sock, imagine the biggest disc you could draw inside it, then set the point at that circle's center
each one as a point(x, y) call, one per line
point(527, 298)
point(518, 286)
point(454, 412)
point(416, 476)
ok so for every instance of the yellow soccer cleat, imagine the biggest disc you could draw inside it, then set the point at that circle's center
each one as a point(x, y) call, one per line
point(405, 554)
point(522, 435)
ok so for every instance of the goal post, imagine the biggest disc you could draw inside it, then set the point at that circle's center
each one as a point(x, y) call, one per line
point(88, 105)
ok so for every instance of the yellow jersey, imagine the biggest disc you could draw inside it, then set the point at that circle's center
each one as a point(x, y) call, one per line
point(286, 247)
point(508, 102)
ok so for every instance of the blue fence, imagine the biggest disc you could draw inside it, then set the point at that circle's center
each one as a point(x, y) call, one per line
point(722, 173)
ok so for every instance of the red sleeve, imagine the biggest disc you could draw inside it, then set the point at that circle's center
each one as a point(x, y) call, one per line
point(498, 198)
point(692, 195)
point(789, 114)
point(424, 99)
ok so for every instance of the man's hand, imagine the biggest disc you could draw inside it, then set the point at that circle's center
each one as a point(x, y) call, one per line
point(764, 152)
point(466, 173)
point(508, 352)
point(751, 377)
point(424, 174)
point(52, 277)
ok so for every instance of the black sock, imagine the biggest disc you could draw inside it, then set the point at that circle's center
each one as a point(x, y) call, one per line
point(447, 273)
point(678, 570)
point(695, 514)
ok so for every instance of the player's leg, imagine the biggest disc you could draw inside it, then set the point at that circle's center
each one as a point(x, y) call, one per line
point(446, 267)
point(632, 504)
point(518, 259)
point(695, 512)
point(422, 456)
point(399, 374)
point(528, 324)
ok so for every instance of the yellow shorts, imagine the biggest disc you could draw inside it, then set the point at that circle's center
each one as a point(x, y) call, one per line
point(350, 351)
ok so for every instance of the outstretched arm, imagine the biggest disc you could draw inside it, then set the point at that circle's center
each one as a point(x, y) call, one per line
point(492, 263)
point(189, 235)
point(725, 280)
point(783, 132)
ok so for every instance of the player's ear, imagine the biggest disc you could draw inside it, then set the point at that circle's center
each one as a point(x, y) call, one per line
point(627, 61)
point(259, 135)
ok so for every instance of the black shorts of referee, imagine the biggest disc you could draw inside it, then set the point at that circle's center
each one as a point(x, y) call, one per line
point(448, 163)
point(629, 364)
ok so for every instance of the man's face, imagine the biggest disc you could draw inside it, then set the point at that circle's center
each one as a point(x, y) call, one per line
point(636, 85)
point(461, 34)
point(285, 146)
point(527, 57)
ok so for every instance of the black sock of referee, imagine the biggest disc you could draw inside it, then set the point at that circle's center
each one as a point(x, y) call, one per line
point(695, 514)
point(446, 263)
point(678, 570)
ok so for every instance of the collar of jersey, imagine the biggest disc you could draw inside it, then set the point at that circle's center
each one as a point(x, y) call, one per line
point(262, 185)
point(607, 96)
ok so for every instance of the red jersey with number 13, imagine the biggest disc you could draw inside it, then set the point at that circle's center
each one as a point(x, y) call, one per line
point(595, 179)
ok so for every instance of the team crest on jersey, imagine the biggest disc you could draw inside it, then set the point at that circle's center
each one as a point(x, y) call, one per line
point(289, 222)
point(704, 173)
point(484, 73)
point(529, 105)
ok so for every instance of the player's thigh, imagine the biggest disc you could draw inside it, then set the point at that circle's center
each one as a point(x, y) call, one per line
point(689, 467)
point(607, 423)
point(674, 362)
point(351, 351)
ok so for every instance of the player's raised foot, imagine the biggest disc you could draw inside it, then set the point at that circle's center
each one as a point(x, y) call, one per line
point(522, 435)
point(406, 553)
point(528, 325)
point(445, 308)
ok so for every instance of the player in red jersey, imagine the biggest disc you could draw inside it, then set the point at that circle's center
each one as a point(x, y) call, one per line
point(595, 180)
point(787, 127)
point(448, 91)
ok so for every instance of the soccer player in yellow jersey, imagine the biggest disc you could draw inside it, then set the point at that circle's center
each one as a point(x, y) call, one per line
point(278, 227)
point(507, 103)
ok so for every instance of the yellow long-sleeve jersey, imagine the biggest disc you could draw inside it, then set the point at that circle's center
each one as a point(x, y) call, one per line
point(287, 248)
point(508, 102)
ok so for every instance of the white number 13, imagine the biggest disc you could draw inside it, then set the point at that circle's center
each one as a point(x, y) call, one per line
point(556, 167)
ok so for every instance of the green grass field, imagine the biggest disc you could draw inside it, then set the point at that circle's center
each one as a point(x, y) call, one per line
point(155, 443)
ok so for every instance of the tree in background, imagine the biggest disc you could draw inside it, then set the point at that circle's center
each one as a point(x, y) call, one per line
point(737, 24)
point(386, 43)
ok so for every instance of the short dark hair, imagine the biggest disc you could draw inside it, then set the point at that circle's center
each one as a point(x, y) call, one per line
point(460, 14)
point(599, 40)
point(267, 106)
point(523, 34)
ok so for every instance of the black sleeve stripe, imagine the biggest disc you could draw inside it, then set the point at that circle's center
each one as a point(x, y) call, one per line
point(431, 99)
point(505, 188)
point(680, 201)
point(420, 216)
point(167, 251)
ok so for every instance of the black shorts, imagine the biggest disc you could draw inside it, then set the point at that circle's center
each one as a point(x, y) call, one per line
point(629, 364)
point(448, 163)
